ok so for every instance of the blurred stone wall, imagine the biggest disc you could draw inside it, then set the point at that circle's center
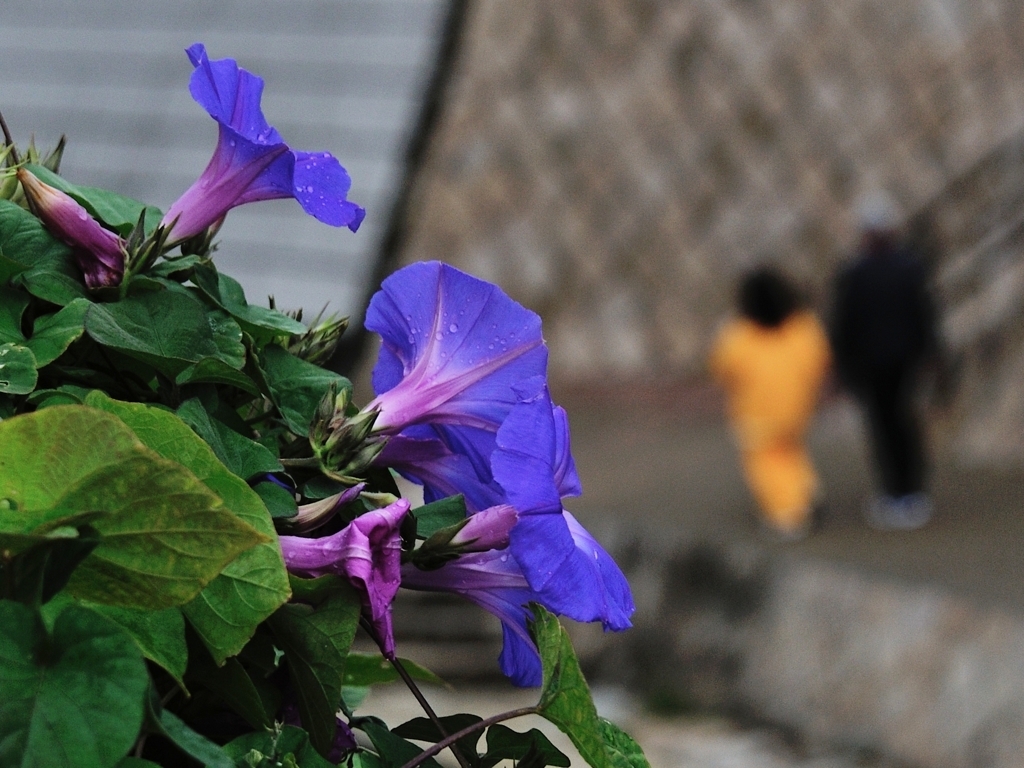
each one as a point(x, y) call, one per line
point(616, 164)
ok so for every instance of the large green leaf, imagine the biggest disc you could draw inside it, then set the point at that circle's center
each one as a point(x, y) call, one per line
point(118, 212)
point(18, 375)
point(296, 387)
point(249, 589)
point(315, 637)
point(228, 294)
point(73, 698)
point(565, 698)
point(168, 329)
point(165, 537)
point(43, 455)
point(164, 534)
point(35, 259)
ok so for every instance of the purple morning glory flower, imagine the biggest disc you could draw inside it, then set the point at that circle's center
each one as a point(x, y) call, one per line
point(368, 553)
point(452, 347)
point(564, 564)
point(98, 252)
point(252, 161)
point(432, 464)
point(494, 581)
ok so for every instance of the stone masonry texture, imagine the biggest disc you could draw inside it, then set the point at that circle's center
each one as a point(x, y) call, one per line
point(617, 164)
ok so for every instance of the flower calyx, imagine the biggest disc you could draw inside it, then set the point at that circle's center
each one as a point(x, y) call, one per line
point(341, 437)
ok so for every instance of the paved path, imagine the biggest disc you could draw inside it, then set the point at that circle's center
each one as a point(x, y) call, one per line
point(666, 465)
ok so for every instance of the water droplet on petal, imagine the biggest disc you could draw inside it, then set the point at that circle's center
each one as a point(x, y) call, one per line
point(453, 328)
point(439, 336)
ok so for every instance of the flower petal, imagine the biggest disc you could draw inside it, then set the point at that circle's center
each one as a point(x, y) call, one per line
point(368, 552)
point(442, 473)
point(453, 346)
point(320, 185)
point(230, 95)
point(494, 581)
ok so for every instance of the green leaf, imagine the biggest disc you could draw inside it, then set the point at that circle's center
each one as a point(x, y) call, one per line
point(118, 212)
point(53, 334)
point(505, 744)
point(74, 698)
point(166, 535)
point(176, 267)
point(160, 635)
point(66, 394)
point(394, 749)
point(622, 748)
point(13, 303)
point(136, 762)
point(363, 669)
point(40, 462)
point(315, 640)
point(243, 456)
point(35, 259)
point(41, 571)
point(443, 513)
point(18, 375)
point(169, 330)
point(565, 698)
point(295, 386)
point(280, 503)
point(228, 294)
point(210, 370)
point(193, 744)
point(423, 729)
point(227, 612)
point(233, 685)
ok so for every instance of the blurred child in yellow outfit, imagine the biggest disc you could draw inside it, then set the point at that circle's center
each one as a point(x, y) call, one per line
point(772, 361)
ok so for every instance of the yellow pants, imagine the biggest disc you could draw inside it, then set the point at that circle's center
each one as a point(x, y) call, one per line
point(782, 479)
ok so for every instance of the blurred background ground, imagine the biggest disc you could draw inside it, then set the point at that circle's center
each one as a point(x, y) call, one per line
point(615, 166)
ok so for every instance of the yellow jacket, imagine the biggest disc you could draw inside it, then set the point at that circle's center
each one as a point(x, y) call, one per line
point(772, 376)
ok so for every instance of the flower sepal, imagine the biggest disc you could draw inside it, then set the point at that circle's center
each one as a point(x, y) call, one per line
point(341, 437)
point(486, 530)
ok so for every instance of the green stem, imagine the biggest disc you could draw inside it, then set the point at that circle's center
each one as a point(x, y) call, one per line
point(411, 684)
point(485, 723)
point(8, 139)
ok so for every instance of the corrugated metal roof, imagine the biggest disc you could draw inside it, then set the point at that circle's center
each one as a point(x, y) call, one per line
point(343, 76)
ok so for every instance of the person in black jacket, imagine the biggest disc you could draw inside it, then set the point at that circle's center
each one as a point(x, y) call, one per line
point(883, 331)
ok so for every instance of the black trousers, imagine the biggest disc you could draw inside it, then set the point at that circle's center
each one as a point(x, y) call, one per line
point(896, 436)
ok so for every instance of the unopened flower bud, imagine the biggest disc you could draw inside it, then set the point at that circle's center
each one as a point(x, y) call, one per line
point(98, 251)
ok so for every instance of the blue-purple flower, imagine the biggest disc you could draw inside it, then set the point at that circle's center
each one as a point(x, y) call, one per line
point(494, 581)
point(452, 347)
point(252, 162)
point(569, 570)
point(368, 553)
point(98, 252)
